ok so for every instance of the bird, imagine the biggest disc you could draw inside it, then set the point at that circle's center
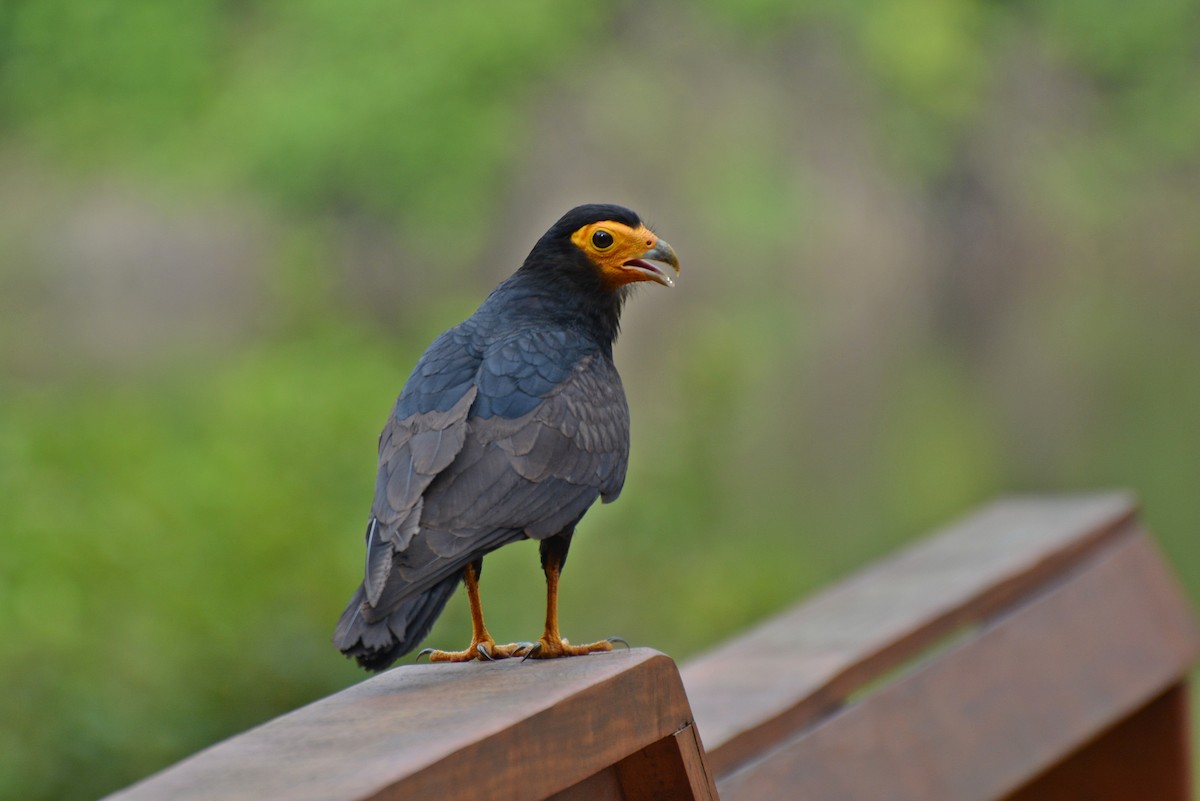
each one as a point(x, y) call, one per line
point(510, 426)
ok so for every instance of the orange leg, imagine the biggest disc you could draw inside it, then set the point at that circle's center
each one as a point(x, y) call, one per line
point(482, 645)
point(551, 644)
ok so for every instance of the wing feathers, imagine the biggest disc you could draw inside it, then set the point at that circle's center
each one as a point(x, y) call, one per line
point(455, 484)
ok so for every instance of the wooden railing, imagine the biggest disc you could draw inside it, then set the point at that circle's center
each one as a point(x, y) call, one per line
point(1038, 649)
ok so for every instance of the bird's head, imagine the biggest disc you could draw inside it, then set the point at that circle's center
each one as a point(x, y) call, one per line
point(616, 244)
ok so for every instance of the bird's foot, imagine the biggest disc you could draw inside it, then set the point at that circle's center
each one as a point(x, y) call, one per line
point(554, 647)
point(483, 650)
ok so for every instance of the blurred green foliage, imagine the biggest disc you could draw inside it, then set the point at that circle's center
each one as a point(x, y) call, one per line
point(180, 536)
point(383, 106)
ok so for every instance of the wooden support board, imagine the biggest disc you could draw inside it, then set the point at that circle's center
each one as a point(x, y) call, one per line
point(496, 730)
point(1005, 704)
point(759, 688)
point(963, 667)
point(1144, 756)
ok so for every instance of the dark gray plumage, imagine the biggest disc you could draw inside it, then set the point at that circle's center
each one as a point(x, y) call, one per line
point(511, 425)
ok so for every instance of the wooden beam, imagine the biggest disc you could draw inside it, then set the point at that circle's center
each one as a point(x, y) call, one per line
point(674, 767)
point(758, 689)
point(1007, 702)
point(499, 730)
point(1146, 755)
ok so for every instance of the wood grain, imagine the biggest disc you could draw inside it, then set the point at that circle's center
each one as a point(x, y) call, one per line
point(759, 688)
point(602, 786)
point(1145, 756)
point(1005, 704)
point(502, 730)
point(671, 768)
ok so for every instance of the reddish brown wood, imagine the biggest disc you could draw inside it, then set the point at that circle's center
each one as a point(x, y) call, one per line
point(756, 690)
point(702, 782)
point(657, 771)
point(1006, 702)
point(502, 730)
point(602, 786)
point(671, 768)
point(1145, 756)
point(1028, 650)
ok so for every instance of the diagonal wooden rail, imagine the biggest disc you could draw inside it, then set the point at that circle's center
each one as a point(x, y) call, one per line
point(502, 730)
point(1037, 649)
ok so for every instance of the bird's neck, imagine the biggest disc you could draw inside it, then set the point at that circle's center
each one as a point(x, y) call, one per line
point(561, 300)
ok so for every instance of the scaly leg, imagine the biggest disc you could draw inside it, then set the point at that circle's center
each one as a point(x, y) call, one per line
point(482, 645)
point(551, 644)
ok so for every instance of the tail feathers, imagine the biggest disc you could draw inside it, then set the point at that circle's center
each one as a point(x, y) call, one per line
point(375, 641)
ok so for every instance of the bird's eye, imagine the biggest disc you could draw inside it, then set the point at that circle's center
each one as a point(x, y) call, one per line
point(602, 240)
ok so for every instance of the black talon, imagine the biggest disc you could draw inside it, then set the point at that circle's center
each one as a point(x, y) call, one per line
point(622, 640)
point(484, 653)
point(533, 649)
point(425, 652)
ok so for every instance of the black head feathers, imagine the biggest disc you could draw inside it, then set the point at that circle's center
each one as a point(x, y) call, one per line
point(580, 216)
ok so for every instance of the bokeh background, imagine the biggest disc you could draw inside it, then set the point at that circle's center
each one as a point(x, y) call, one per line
point(934, 251)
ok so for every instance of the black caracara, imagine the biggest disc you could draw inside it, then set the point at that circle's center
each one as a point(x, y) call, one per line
point(511, 425)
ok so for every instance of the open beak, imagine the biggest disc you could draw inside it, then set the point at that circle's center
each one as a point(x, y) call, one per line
point(667, 268)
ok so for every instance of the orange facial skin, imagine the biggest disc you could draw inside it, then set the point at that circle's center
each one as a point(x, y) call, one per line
point(620, 253)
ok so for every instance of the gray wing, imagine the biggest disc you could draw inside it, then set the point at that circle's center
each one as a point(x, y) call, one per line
point(458, 486)
point(412, 452)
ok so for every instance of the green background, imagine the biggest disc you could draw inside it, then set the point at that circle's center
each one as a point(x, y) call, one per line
point(934, 251)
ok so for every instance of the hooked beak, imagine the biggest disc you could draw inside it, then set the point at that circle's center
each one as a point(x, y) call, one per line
point(663, 253)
